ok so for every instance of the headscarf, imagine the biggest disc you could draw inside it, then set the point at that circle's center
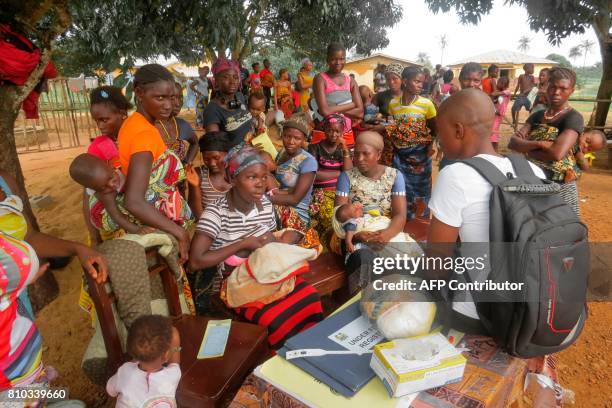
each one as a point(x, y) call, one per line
point(395, 68)
point(224, 64)
point(298, 121)
point(370, 138)
point(239, 158)
point(306, 61)
point(334, 118)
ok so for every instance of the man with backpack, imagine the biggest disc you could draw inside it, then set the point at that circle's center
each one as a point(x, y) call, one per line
point(531, 235)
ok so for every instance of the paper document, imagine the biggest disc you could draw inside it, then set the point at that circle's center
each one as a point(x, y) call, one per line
point(215, 338)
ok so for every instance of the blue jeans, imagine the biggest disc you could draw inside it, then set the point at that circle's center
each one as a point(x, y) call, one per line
point(415, 165)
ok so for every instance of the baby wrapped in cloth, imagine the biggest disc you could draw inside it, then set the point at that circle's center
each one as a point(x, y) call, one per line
point(268, 274)
point(350, 219)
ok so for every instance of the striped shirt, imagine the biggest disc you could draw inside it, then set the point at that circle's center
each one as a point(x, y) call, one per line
point(209, 193)
point(326, 161)
point(226, 225)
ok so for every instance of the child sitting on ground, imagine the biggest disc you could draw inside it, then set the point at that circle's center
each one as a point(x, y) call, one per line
point(152, 378)
point(370, 111)
point(105, 182)
point(589, 142)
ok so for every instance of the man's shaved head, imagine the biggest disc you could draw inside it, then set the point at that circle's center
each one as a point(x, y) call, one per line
point(465, 121)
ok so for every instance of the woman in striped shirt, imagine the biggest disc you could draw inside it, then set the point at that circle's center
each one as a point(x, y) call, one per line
point(243, 220)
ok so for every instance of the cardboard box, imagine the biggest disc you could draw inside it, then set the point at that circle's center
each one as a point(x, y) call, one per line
point(406, 366)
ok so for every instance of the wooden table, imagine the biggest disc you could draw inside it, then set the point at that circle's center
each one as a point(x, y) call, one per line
point(492, 379)
point(210, 382)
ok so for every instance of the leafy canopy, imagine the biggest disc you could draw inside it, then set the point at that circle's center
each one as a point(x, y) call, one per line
point(560, 59)
point(557, 18)
point(113, 34)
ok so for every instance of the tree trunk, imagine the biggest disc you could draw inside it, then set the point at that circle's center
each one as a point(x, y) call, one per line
point(9, 161)
point(602, 29)
point(45, 289)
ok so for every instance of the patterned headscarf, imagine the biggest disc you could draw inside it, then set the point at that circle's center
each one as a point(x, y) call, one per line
point(239, 158)
point(223, 64)
point(300, 122)
point(334, 118)
point(395, 68)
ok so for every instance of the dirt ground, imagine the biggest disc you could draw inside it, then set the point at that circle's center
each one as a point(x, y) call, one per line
point(585, 368)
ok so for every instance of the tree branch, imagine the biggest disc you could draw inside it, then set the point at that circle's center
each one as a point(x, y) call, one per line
point(23, 91)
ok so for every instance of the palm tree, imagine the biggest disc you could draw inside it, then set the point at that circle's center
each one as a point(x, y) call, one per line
point(524, 43)
point(586, 45)
point(575, 53)
point(443, 43)
point(422, 58)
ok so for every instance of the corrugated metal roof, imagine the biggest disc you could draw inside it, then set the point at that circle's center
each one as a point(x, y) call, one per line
point(378, 54)
point(504, 57)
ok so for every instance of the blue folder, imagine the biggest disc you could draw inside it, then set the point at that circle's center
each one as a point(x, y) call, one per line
point(345, 374)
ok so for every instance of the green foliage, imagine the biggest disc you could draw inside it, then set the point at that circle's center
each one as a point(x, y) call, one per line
point(113, 34)
point(281, 58)
point(557, 18)
point(468, 11)
point(593, 71)
point(559, 59)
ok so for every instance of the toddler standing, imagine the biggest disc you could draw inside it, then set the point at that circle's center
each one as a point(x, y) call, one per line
point(152, 378)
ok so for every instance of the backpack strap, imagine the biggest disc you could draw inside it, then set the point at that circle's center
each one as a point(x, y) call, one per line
point(486, 169)
point(523, 168)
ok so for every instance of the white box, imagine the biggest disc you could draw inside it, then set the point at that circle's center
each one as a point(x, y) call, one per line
point(397, 364)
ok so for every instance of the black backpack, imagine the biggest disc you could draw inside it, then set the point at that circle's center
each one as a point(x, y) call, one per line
point(548, 251)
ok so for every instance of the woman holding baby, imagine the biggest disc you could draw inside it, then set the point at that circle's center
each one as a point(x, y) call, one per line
point(378, 189)
point(234, 226)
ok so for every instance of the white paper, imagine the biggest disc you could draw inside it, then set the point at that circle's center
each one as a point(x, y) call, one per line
point(357, 336)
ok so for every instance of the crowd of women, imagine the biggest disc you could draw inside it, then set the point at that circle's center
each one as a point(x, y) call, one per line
point(342, 144)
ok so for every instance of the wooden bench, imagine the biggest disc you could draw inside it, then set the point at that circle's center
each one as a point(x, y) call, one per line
point(204, 383)
point(326, 273)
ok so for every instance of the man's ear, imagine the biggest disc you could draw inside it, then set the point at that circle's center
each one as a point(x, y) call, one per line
point(459, 131)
